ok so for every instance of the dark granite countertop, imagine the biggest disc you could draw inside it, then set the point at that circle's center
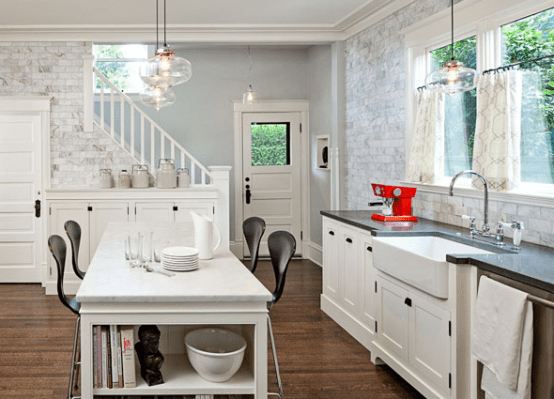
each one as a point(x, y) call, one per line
point(532, 264)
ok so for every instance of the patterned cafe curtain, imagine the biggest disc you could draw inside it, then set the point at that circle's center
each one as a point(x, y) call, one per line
point(427, 154)
point(497, 147)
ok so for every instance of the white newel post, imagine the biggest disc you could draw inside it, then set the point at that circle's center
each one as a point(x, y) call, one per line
point(88, 92)
point(220, 179)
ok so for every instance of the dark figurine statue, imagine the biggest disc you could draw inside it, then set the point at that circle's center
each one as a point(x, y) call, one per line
point(150, 358)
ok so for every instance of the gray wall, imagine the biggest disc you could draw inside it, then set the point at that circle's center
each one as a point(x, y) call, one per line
point(320, 95)
point(202, 117)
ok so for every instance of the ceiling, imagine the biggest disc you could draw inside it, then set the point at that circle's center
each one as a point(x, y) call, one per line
point(285, 20)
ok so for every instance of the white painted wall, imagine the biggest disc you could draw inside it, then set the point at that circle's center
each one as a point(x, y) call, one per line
point(320, 96)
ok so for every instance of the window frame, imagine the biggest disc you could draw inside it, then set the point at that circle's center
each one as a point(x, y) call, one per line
point(421, 38)
point(132, 94)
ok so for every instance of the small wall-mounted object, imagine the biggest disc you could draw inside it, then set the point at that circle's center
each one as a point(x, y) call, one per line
point(323, 153)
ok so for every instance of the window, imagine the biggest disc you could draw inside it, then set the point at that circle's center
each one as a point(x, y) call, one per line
point(460, 110)
point(523, 40)
point(120, 64)
point(270, 144)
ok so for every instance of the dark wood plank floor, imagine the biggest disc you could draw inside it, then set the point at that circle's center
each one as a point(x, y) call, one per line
point(317, 358)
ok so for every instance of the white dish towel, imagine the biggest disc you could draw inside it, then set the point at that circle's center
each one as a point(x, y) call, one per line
point(502, 339)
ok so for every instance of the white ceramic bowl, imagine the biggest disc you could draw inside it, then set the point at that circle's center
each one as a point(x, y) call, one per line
point(215, 354)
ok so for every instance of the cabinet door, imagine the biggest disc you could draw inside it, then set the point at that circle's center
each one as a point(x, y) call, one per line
point(102, 213)
point(350, 275)
point(430, 341)
point(369, 291)
point(393, 317)
point(60, 212)
point(183, 208)
point(154, 212)
point(331, 262)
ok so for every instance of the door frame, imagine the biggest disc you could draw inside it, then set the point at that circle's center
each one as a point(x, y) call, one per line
point(36, 105)
point(273, 106)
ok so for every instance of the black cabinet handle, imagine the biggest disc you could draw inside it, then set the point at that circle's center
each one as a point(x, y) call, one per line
point(175, 208)
point(349, 240)
point(369, 249)
point(331, 232)
point(248, 195)
point(408, 302)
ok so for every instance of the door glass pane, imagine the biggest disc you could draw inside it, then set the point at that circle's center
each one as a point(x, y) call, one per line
point(460, 110)
point(270, 143)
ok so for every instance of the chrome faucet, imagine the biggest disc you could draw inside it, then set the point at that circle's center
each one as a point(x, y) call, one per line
point(485, 231)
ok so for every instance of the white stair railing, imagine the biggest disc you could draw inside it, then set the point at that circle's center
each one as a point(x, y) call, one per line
point(138, 134)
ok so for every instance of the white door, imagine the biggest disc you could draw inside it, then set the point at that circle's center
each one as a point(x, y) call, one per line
point(271, 173)
point(20, 183)
point(352, 277)
point(331, 260)
point(154, 212)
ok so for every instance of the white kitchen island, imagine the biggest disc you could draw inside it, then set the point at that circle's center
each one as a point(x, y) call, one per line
point(222, 292)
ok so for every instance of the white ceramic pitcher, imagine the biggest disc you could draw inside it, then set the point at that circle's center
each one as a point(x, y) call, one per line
point(204, 231)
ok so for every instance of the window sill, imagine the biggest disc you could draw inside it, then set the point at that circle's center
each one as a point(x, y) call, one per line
point(527, 195)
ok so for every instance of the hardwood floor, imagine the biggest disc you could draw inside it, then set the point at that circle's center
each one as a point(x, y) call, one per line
point(317, 358)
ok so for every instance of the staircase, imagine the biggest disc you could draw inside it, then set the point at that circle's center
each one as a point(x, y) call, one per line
point(137, 134)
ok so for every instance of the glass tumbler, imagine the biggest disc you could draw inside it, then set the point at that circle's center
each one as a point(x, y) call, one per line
point(145, 240)
point(132, 249)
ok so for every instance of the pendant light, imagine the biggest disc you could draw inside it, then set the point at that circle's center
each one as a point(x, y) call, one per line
point(165, 69)
point(157, 97)
point(249, 96)
point(452, 77)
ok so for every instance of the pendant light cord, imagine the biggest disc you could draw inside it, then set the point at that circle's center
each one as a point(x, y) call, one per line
point(249, 68)
point(157, 26)
point(165, 41)
point(451, 24)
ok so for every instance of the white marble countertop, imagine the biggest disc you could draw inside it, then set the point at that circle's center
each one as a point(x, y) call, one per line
point(109, 277)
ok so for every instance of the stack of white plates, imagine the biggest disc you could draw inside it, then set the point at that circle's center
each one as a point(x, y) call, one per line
point(179, 259)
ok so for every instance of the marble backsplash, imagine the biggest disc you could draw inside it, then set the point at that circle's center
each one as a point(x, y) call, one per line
point(55, 70)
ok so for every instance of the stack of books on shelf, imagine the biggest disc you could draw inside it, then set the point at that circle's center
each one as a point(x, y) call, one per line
point(114, 357)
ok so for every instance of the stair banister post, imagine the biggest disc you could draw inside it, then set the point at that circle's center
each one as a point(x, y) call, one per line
point(220, 179)
point(88, 93)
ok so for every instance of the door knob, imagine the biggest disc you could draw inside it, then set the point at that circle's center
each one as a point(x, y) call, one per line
point(37, 208)
point(248, 194)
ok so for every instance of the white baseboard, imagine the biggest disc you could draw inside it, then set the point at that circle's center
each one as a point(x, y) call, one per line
point(70, 287)
point(314, 253)
point(236, 248)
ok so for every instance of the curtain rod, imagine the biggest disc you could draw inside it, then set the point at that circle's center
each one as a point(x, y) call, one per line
point(505, 67)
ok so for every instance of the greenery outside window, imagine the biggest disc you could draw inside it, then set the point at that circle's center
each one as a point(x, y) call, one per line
point(460, 109)
point(120, 63)
point(527, 39)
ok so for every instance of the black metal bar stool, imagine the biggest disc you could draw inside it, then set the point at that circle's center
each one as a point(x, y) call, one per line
point(73, 231)
point(282, 247)
point(253, 229)
point(59, 250)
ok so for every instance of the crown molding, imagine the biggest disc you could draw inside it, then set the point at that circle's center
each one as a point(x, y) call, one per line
point(365, 16)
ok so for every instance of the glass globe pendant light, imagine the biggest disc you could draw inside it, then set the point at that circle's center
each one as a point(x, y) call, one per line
point(165, 69)
point(250, 96)
point(452, 77)
point(157, 97)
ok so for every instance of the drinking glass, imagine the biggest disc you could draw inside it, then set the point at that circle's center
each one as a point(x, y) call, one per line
point(132, 249)
point(145, 240)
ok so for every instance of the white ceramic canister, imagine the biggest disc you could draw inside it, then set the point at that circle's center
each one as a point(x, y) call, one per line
point(166, 175)
point(106, 179)
point(182, 178)
point(140, 177)
point(124, 179)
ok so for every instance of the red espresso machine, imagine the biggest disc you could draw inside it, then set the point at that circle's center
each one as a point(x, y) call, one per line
point(397, 203)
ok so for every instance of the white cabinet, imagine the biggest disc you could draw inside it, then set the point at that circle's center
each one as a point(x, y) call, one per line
point(415, 333)
point(93, 218)
point(347, 275)
point(169, 211)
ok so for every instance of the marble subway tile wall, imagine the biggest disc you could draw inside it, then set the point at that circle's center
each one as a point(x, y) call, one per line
point(376, 124)
point(55, 69)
